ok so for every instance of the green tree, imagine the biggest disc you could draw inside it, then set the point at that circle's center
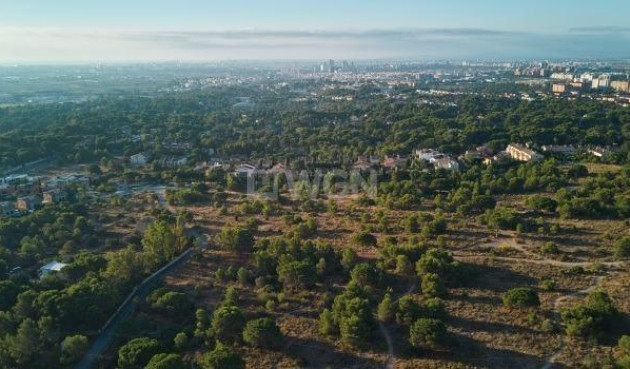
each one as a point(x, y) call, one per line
point(137, 352)
point(353, 329)
point(166, 361)
point(227, 323)
point(180, 341)
point(327, 323)
point(73, 348)
point(427, 333)
point(622, 248)
point(403, 265)
point(221, 358)
point(202, 323)
point(159, 242)
point(321, 267)
point(432, 285)
point(408, 310)
point(236, 239)
point(243, 275)
point(437, 261)
point(364, 239)
point(26, 344)
point(348, 259)
point(364, 274)
point(434, 308)
point(262, 332)
point(520, 297)
point(386, 309)
point(295, 275)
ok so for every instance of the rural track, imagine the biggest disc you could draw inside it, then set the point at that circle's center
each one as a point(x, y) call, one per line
point(546, 261)
point(391, 355)
point(556, 312)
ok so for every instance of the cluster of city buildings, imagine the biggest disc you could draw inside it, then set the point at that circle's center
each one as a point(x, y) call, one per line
point(21, 193)
point(569, 82)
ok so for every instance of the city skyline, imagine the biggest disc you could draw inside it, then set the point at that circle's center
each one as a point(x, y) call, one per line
point(38, 31)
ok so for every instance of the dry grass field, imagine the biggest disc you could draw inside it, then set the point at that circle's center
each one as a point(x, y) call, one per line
point(483, 332)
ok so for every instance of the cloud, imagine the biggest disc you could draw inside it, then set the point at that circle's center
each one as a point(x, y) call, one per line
point(63, 44)
point(600, 30)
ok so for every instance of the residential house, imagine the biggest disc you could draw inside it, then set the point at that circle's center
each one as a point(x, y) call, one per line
point(277, 169)
point(52, 267)
point(362, 164)
point(28, 203)
point(172, 162)
point(427, 154)
point(500, 158)
point(446, 162)
point(139, 160)
point(620, 86)
point(245, 170)
point(558, 149)
point(394, 162)
point(6, 208)
point(522, 153)
point(54, 196)
point(438, 159)
point(598, 151)
point(178, 146)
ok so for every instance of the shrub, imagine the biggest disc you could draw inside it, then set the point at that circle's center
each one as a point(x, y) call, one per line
point(227, 323)
point(236, 239)
point(353, 329)
point(73, 348)
point(408, 310)
point(327, 323)
point(364, 274)
point(137, 352)
point(175, 303)
point(180, 341)
point(348, 259)
point(579, 321)
point(221, 358)
point(437, 261)
point(432, 285)
point(548, 285)
point(364, 239)
point(435, 308)
point(295, 275)
point(622, 248)
point(386, 309)
point(591, 319)
point(166, 361)
point(262, 332)
point(427, 333)
point(521, 297)
point(550, 248)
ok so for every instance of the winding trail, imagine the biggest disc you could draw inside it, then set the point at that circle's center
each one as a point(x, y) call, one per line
point(546, 261)
point(597, 281)
point(556, 312)
point(391, 355)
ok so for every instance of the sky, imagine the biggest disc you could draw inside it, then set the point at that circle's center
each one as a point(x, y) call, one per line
point(33, 31)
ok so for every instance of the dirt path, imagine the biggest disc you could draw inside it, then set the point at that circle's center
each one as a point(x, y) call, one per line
point(556, 312)
point(541, 260)
point(552, 262)
point(510, 241)
point(389, 364)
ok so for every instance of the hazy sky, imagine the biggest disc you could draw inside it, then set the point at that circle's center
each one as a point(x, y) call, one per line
point(141, 30)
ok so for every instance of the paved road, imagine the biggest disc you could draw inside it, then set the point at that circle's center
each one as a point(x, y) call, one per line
point(108, 333)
